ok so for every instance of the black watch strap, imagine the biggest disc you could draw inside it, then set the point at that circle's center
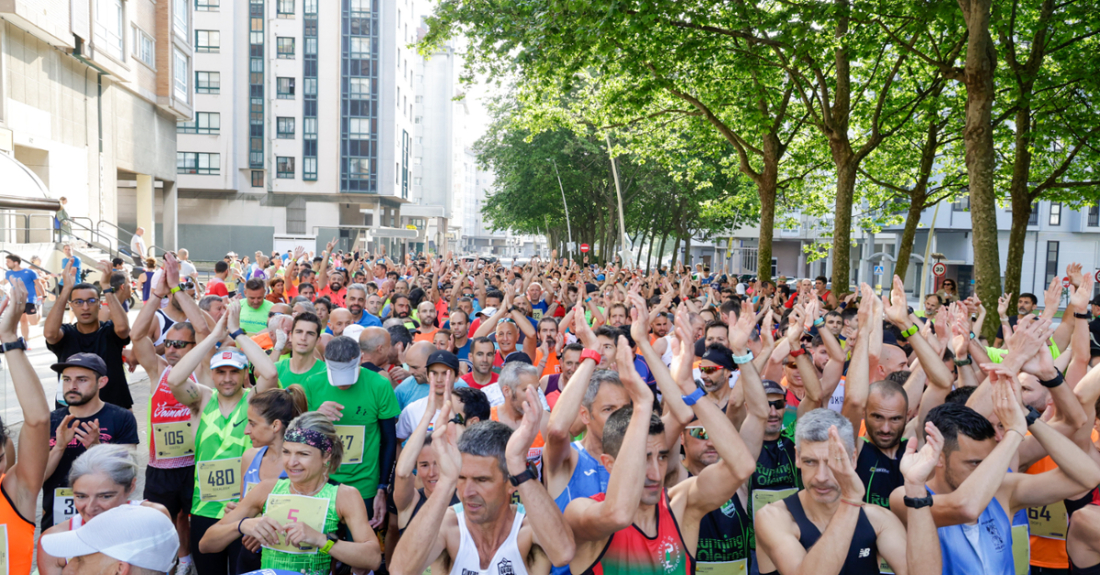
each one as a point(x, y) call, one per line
point(1057, 380)
point(1082, 315)
point(532, 472)
point(918, 502)
point(17, 344)
point(1032, 416)
point(236, 334)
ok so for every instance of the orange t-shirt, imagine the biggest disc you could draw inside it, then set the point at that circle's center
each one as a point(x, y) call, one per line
point(263, 339)
point(534, 454)
point(19, 537)
point(552, 365)
point(427, 336)
point(1045, 552)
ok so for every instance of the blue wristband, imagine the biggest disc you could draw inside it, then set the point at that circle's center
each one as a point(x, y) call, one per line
point(695, 396)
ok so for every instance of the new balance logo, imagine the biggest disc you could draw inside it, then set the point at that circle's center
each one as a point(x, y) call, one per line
point(865, 552)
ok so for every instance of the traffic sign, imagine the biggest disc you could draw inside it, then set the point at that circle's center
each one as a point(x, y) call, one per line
point(879, 270)
point(1098, 276)
point(1065, 282)
point(939, 269)
point(584, 248)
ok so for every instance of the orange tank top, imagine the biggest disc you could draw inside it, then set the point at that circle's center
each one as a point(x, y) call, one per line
point(1048, 552)
point(16, 537)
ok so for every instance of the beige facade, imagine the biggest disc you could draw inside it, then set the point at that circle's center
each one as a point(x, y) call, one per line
point(90, 93)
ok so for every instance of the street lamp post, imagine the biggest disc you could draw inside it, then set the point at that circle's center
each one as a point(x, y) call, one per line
point(568, 225)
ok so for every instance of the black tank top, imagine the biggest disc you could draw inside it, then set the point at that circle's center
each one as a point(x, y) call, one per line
point(775, 467)
point(421, 499)
point(879, 473)
point(1072, 506)
point(862, 553)
point(726, 534)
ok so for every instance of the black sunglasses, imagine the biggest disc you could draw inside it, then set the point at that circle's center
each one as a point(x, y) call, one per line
point(459, 419)
point(778, 404)
point(177, 343)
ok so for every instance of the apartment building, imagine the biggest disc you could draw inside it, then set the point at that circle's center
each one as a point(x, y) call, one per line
point(90, 94)
point(304, 125)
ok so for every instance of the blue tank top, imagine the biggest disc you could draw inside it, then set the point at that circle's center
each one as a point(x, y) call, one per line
point(589, 478)
point(147, 285)
point(993, 553)
point(252, 474)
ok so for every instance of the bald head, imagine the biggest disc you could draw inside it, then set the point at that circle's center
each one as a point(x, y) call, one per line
point(374, 342)
point(280, 308)
point(888, 390)
point(339, 319)
point(418, 353)
point(891, 359)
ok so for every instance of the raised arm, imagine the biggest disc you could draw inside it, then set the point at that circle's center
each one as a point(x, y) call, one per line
point(565, 411)
point(857, 385)
point(267, 377)
point(24, 480)
point(143, 345)
point(52, 330)
point(118, 315)
point(404, 485)
point(183, 389)
point(897, 313)
point(670, 391)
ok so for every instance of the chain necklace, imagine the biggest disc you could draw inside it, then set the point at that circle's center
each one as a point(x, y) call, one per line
point(296, 492)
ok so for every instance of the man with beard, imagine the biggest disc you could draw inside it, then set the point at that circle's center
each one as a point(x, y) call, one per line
point(426, 314)
point(85, 422)
point(482, 352)
point(715, 370)
point(356, 301)
point(89, 335)
point(169, 478)
point(402, 310)
point(332, 282)
point(826, 529)
point(550, 343)
point(221, 400)
point(553, 384)
point(637, 525)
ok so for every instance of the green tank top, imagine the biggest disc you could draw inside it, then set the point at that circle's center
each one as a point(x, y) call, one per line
point(218, 439)
point(306, 563)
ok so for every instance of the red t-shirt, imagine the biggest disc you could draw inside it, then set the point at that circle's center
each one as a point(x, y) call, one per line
point(217, 287)
point(469, 379)
point(337, 298)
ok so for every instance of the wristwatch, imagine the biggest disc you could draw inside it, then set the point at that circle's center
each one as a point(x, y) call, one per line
point(532, 472)
point(917, 502)
point(108, 290)
point(1082, 315)
point(910, 330)
point(236, 334)
point(1055, 381)
point(590, 354)
point(17, 344)
point(1032, 416)
point(962, 362)
point(332, 539)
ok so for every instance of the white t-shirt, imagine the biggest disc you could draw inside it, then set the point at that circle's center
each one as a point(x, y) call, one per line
point(187, 269)
point(410, 417)
point(137, 246)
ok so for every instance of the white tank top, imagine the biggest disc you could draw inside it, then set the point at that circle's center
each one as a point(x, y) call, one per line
point(506, 561)
point(666, 358)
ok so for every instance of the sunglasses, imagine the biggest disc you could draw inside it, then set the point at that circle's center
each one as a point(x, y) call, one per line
point(778, 404)
point(709, 369)
point(698, 433)
point(177, 343)
point(459, 419)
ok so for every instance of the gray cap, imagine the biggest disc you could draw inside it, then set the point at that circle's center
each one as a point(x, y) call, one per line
point(773, 388)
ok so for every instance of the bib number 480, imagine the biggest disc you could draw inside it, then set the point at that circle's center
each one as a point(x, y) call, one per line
point(221, 477)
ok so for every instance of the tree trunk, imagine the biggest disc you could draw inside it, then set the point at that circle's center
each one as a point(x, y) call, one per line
point(842, 225)
point(661, 250)
point(912, 218)
point(981, 62)
point(675, 253)
point(1017, 236)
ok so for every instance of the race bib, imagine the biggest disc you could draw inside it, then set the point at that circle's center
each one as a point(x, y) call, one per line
point(220, 480)
point(287, 509)
point(64, 505)
point(174, 439)
point(4, 550)
point(739, 567)
point(1049, 521)
point(884, 567)
point(248, 487)
point(762, 497)
point(493, 394)
point(1021, 549)
point(353, 437)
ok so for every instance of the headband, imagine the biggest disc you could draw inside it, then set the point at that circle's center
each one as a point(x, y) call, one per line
point(309, 437)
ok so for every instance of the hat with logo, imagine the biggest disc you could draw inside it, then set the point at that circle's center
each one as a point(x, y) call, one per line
point(229, 357)
point(444, 357)
point(773, 388)
point(138, 536)
point(86, 360)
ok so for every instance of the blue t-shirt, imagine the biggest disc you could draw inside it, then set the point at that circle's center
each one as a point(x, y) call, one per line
point(28, 276)
point(369, 320)
point(76, 267)
point(463, 352)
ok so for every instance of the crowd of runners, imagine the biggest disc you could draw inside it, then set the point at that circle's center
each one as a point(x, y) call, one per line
point(347, 413)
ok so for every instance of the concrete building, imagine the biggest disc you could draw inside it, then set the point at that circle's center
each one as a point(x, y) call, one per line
point(304, 125)
point(90, 93)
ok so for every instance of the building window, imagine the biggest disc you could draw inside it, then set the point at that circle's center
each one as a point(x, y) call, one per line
point(309, 128)
point(208, 82)
point(286, 9)
point(360, 48)
point(1056, 213)
point(198, 163)
point(1033, 219)
point(359, 128)
point(284, 167)
point(1052, 262)
point(311, 46)
point(309, 169)
point(296, 216)
point(285, 48)
point(181, 73)
point(311, 87)
point(418, 181)
point(359, 88)
point(285, 88)
point(207, 5)
point(257, 178)
point(419, 99)
point(207, 41)
point(109, 27)
point(961, 204)
point(144, 48)
point(417, 120)
point(284, 128)
point(179, 17)
point(1094, 215)
point(204, 123)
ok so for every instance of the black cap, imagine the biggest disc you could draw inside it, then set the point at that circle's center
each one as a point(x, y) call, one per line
point(519, 356)
point(773, 388)
point(589, 288)
point(1095, 300)
point(86, 360)
point(445, 357)
point(700, 347)
point(719, 355)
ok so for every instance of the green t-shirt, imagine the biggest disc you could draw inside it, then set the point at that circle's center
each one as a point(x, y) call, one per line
point(366, 402)
point(317, 375)
point(997, 355)
point(254, 320)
